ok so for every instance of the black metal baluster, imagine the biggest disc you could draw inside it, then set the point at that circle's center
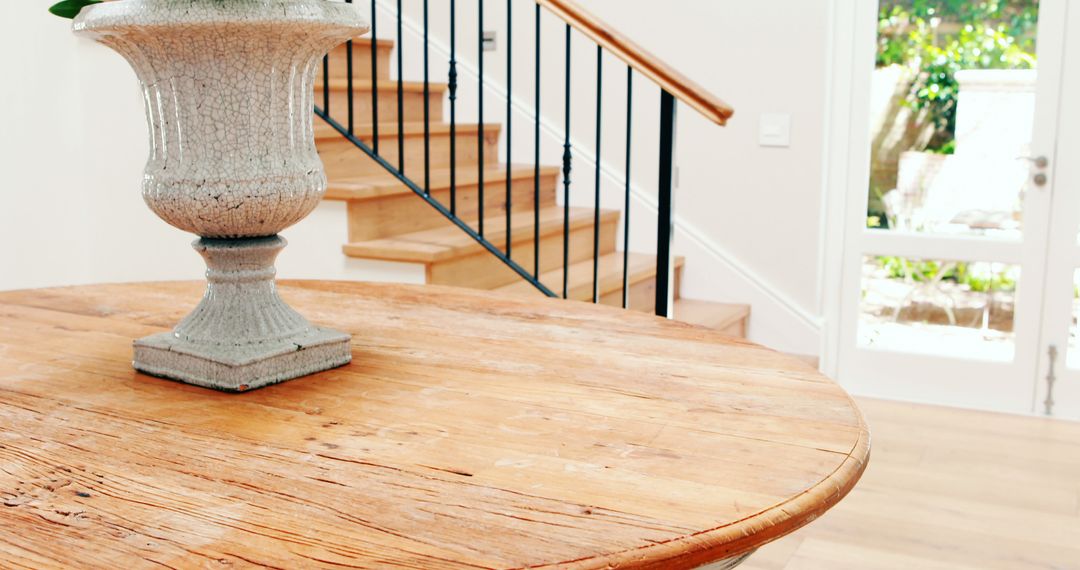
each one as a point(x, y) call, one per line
point(480, 132)
point(427, 109)
point(664, 226)
point(536, 155)
point(400, 96)
point(326, 84)
point(349, 79)
point(626, 176)
point(566, 159)
point(596, 183)
point(509, 131)
point(451, 85)
point(374, 78)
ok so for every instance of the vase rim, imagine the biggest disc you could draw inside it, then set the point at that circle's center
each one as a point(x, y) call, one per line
point(334, 17)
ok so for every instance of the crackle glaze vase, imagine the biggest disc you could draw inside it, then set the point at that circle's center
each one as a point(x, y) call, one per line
point(228, 88)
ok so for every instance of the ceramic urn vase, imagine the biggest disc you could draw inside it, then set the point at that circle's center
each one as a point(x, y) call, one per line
point(228, 91)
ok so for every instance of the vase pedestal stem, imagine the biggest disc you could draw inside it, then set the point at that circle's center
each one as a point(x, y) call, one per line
point(242, 335)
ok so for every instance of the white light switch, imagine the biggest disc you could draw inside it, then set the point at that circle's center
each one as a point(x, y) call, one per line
point(488, 40)
point(775, 130)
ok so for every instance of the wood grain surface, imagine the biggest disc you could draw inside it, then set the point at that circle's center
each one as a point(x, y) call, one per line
point(472, 430)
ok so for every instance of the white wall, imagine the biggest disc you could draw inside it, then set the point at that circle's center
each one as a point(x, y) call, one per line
point(72, 146)
point(749, 217)
point(755, 211)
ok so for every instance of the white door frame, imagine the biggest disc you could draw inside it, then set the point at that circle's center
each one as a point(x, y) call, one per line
point(846, 151)
point(1063, 255)
point(847, 162)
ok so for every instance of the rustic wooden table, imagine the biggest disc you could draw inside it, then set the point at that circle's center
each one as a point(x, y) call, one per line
point(470, 431)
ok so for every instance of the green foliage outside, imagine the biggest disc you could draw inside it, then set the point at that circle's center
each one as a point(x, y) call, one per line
point(937, 38)
point(976, 277)
point(934, 39)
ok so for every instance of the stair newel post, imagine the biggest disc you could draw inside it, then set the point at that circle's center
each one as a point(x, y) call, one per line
point(451, 85)
point(664, 224)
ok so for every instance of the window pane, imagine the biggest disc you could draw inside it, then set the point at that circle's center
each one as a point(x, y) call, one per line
point(953, 100)
point(942, 307)
point(1072, 359)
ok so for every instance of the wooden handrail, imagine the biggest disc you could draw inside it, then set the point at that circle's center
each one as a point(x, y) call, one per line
point(641, 60)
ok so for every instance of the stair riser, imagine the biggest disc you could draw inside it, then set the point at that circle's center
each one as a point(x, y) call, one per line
point(736, 329)
point(483, 271)
point(343, 160)
point(404, 213)
point(642, 294)
point(361, 62)
point(413, 103)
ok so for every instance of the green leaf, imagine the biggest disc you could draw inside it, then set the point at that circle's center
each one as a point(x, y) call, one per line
point(70, 8)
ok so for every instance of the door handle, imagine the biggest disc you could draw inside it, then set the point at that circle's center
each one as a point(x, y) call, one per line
point(1037, 161)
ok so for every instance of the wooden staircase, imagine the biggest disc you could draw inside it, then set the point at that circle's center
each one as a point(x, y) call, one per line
point(387, 221)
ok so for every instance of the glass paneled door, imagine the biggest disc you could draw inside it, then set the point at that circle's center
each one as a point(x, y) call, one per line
point(945, 265)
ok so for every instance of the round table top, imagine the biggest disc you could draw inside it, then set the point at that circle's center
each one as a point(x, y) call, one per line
point(472, 430)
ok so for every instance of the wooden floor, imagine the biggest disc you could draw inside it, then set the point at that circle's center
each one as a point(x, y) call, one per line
point(949, 488)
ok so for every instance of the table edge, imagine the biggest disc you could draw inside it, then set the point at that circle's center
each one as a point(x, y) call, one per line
point(687, 551)
point(734, 539)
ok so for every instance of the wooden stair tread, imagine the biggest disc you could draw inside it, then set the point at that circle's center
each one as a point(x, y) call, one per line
point(385, 184)
point(438, 244)
point(710, 314)
point(383, 85)
point(580, 280)
point(323, 130)
point(366, 41)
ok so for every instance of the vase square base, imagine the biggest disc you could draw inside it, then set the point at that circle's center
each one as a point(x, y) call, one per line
point(239, 368)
